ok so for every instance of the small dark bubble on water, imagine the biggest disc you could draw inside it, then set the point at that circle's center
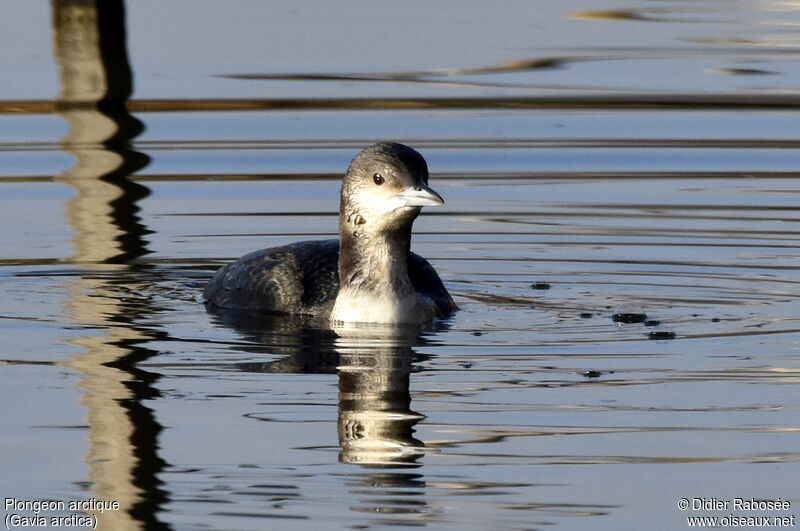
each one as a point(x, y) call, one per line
point(629, 313)
point(540, 285)
point(661, 334)
point(628, 318)
point(595, 373)
point(477, 333)
point(652, 322)
point(715, 320)
point(586, 315)
point(466, 364)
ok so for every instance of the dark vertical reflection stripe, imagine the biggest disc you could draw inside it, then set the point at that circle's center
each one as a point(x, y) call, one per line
point(96, 82)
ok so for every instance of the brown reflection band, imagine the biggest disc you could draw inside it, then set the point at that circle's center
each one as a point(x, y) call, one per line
point(616, 101)
point(461, 176)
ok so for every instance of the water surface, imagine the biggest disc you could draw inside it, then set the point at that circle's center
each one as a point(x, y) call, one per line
point(635, 160)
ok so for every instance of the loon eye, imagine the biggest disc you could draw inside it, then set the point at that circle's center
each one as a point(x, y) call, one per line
point(378, 179)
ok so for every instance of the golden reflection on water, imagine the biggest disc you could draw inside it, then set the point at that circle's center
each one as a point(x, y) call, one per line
point(613, 14)
point(95, 80)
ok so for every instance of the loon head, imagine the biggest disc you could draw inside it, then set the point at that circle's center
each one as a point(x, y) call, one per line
point(384, 189)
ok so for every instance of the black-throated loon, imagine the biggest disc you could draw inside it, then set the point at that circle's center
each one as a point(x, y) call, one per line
point(370, 275)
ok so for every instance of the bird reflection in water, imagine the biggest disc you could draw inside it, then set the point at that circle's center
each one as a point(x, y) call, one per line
point(376, 423)
point(374, 364)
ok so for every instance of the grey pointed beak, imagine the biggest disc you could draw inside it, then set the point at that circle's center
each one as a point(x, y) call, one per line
point(419, 195)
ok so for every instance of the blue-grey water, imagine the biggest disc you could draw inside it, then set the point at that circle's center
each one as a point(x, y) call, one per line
point(601, 163)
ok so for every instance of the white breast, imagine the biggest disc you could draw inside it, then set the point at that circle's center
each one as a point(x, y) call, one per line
point(380, 308)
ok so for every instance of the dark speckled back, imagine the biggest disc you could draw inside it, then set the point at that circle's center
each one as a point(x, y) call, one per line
point(318, 263)
point(302, 278)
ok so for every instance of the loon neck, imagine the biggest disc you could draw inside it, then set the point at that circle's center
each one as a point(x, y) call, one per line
point(375, 263)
